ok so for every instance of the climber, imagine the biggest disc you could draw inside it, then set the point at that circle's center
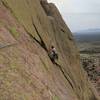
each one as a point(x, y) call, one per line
point(53, 54)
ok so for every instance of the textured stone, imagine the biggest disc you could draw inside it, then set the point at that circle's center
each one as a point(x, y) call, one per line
point(26, 71)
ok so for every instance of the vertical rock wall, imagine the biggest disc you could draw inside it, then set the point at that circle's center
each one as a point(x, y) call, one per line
point(27, 30)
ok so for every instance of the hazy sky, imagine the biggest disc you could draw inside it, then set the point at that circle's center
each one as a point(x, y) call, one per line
point(80, 14)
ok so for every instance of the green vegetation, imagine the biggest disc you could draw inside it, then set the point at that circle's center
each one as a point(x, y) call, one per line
point(14, 32)
point(55, 98)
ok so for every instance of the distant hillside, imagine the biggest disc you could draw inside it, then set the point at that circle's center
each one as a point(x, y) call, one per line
point(88, 31)
point(87, 35)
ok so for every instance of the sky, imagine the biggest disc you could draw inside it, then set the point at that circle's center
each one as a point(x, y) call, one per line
point(80, 14)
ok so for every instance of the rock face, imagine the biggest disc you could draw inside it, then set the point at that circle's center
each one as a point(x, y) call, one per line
point(27, 30)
